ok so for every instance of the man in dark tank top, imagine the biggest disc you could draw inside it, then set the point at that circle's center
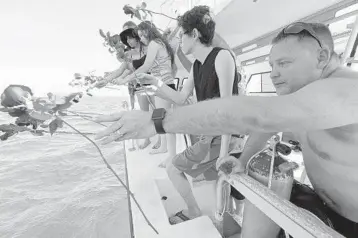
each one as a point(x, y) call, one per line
point(212, 75)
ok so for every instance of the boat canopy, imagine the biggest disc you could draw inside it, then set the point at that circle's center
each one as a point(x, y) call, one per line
point(244, 20)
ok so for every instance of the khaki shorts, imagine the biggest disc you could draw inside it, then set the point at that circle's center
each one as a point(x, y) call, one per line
point(201, 157)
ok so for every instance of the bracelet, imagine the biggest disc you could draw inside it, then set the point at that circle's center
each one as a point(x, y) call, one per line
point(160, 83)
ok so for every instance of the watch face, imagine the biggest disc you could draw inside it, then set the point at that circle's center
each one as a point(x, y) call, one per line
point(158, 113)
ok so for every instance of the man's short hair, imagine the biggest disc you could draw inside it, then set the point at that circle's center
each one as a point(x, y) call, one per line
point(321, 30)
point(200, 18)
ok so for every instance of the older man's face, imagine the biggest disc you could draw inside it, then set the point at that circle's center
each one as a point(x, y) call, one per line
point(294, 64)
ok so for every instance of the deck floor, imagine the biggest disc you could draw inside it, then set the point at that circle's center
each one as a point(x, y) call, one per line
point(149, 183)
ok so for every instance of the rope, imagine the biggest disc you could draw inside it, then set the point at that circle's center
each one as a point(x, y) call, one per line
point(113, 88)
point(85, 117)
point(84, 113)
point(159, 13)
point(110, 167)
point(71, 133)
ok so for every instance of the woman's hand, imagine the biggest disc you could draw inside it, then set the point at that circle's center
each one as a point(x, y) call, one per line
point(144, 78)
point(118, 81)
point(101, 84)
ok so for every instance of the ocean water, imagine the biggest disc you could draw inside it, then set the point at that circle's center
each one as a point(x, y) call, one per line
point(59, 187)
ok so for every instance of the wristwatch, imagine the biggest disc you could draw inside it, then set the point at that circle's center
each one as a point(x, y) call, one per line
point(157, 117)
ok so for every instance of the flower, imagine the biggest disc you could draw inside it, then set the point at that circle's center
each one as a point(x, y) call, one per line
point(128, 10)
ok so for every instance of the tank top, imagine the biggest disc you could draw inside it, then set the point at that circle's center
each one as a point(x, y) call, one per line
point(206, 80)
point(162, 66)
point(138, 62)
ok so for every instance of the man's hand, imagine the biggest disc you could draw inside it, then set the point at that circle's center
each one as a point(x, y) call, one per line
point(127, 125)
point(230, 165)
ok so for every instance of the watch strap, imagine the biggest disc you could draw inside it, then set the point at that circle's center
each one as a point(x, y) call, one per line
point(157, 117)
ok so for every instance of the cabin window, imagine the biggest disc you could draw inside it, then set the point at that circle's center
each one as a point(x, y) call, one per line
point(354, 64)
point(341, 31)
point(260, 84)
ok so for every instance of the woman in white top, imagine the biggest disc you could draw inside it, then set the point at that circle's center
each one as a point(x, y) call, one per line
point(135, 57)
point(160, 63)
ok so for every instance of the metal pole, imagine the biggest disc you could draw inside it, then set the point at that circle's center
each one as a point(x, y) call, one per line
point(130, 214)
point(351, 45)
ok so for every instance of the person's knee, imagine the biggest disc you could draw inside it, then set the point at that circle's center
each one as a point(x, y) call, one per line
point(171, 169)
point(162, 103)
point(143, 103)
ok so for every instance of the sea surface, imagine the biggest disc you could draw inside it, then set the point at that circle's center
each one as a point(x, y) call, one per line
point(58, 186)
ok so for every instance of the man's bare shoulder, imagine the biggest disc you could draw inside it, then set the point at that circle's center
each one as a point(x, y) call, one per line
point(344, 72)
point(348, 132)
point(342, 82)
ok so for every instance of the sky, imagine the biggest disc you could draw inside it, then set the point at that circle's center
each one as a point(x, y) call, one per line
point(44, 42)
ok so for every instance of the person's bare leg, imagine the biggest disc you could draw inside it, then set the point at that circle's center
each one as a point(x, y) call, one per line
point(144, 106)
point(171, 139)
point(162, 142)
point(171, 143)
point(151, 100)
point(161, 103)
point(172, 146)
point(239, 210)
point(183, 187)
point(232, 228)
point(132, 100)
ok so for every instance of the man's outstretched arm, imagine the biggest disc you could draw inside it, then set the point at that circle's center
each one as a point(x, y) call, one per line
point(323, 104)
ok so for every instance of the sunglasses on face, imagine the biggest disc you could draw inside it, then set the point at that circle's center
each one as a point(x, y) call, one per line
point(298, 27)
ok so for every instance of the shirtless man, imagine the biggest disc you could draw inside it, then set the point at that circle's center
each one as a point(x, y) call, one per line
point(318, 102)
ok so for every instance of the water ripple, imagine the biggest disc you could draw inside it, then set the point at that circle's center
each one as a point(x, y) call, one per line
point(59, 187)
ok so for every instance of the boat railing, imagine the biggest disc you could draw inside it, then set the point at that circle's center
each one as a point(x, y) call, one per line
point(294, 220)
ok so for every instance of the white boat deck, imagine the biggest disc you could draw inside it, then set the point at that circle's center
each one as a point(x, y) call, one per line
point(149, 183)
point(159, 200)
